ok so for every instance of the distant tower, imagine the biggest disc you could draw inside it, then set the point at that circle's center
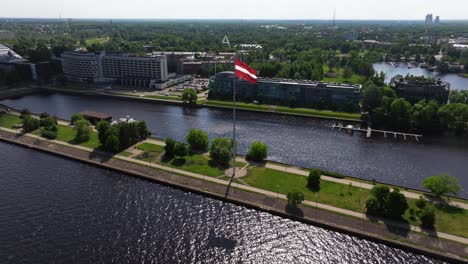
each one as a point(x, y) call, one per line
point(334, 17)
point(437, 20)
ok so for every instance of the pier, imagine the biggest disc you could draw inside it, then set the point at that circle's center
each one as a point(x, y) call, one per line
point(369, 131)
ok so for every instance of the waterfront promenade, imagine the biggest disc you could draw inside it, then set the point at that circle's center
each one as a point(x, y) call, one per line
point(210, 185)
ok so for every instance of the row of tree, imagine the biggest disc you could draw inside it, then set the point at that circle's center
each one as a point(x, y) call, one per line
point(118, 137)
point(390, 112)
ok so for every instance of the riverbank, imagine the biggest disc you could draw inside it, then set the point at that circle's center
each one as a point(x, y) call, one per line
point(216, 186)
point(464, 75)
point(271, 109)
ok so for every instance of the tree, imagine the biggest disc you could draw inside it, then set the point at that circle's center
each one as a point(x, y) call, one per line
point(143, 131)
point(347, 73)
point(83, 130)
point(49, 123)
point(112, 143)
point(313, 181)
point(258, 151)
point(442, 184)
point(295, 198)
point(48, 134)
point(197, 139)
point(189, 96)
point(371, 98)
point(385, 203)
point(103, 128)
point(396, 204)
point(427, 217)
point(169, 149)
point(75, 118)
point(401, 114)
point(30, 124)
point(181, 150)
point(454, 117)
point(220, 151)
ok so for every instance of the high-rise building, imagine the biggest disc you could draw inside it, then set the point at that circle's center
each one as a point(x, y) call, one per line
point(437, 20)
point(133, 71)
point(428, 19)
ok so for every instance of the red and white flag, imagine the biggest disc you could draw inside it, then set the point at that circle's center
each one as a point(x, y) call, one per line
point(245, 72)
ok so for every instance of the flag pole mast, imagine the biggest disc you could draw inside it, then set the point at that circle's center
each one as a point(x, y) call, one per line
point(234, 124)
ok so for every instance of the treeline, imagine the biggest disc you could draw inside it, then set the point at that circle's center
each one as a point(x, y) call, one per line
point(118, 137)
point(388, 111)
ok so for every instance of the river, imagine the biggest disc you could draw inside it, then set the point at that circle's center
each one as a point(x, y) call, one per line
point(299, 141)
point(54, 210)
point(456, 82)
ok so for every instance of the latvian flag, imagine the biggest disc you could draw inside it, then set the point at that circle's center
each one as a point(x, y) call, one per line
point(244, 71)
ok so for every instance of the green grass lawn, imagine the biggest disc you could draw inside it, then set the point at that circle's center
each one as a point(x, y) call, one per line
point(162, 97)
point(448, 219)
point(67, 134)
point(331, 193)
point(355, 78)
point(196, 163)
point(91, 41)
point(464, 75)
point(321, 113)
point(125, 154)
point(151, 153)
point(285, 109)
point(9, 120)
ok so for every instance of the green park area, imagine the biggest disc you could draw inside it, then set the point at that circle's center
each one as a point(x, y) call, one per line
point(92, 41)
point(162, 97)
point(9, 120)
point(193, 157)
point(342, 75)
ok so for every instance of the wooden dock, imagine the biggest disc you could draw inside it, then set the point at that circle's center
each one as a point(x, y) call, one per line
point(369, 132)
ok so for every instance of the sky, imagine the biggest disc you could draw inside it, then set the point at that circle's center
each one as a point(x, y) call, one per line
point(236, 9)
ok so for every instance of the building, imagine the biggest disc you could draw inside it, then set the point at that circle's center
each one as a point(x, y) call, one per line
point(437, 20)
point(415, 89)
point(128, 70)
point(288, 92)
point(11, 62)
point(95, 117)
point(428, 20)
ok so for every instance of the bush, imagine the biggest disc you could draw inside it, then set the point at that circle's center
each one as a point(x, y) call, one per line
point(75, 118)
point(442, 184)
point(385, 203)
point(169, 149)
point(198, 139)
point(181, 150)
point(30, 124)
point(83, 130)
point(427, 217)
point(313, 181)
point(44, 115)
point(258, 151)
point(220, 151)
point(143, 131)
point(295, 198)
point(24, 112)
point(48, 134)
point(421, 202)
point(49, 123)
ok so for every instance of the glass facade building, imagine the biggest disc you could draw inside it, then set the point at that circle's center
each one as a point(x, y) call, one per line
point(311, 94)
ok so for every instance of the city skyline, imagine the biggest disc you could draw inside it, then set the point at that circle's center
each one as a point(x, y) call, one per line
point(241, 9)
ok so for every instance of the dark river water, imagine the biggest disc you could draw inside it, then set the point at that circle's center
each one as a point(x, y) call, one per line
point(456, 82)
point(54, 210)
point(300, 141)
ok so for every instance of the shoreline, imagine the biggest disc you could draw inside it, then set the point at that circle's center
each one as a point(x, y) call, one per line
point(328, 220)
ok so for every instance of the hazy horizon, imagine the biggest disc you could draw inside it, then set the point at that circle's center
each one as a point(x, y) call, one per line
point(399, 10)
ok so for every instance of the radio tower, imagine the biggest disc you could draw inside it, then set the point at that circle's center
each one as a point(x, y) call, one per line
point(334, 17)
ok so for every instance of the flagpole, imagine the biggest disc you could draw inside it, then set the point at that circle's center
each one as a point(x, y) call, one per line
point(234, 124)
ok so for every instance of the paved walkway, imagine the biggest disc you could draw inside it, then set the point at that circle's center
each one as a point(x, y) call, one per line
point(244, 187)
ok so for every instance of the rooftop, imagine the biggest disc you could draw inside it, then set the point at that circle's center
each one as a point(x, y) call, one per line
point(8, 55)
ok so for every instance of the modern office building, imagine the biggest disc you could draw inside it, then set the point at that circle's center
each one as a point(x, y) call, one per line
point(10, 61)
point(429, 19)
point(437, 20)
point(302, 93)
point(128, 70)
point(416, 89)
